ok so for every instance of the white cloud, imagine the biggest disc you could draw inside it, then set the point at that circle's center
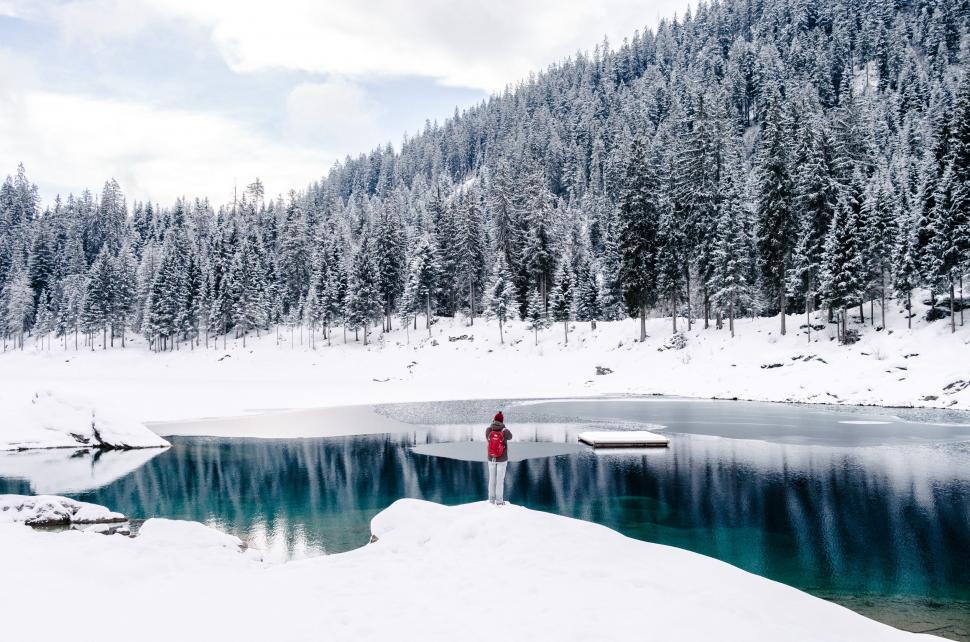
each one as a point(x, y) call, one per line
point(69, 142)
point(336, 112)
point(473, 43)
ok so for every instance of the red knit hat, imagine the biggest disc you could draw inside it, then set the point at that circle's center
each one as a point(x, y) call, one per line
point(499, 417)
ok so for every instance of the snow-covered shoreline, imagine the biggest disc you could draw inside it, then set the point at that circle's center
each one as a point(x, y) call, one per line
point(431, 571)
point(47, 420)
point(896, 367)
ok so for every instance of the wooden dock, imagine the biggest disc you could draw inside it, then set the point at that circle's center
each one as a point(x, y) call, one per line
point(624, 439)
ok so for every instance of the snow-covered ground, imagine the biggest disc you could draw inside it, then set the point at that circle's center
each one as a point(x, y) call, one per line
point(30, 420)
point(470, 572)
point(894, 367)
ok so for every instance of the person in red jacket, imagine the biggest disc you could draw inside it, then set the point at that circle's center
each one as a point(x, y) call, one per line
point(497, 437)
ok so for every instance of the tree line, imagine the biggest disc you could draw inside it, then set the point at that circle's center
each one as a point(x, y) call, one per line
point(749, 158)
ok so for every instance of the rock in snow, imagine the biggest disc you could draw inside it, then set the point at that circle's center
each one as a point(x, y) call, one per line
point(50, 510)
point(45, 420)
point(432, 573)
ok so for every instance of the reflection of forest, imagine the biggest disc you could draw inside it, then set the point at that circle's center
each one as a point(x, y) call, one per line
point(865, 520)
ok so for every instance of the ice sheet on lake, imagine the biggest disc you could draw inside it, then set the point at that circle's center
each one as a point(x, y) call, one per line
point(477, 450)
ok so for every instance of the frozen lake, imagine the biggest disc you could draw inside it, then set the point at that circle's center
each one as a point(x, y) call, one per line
point(860, 506)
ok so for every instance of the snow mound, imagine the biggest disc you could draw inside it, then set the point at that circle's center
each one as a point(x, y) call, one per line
point(50, 510)
point(185, 536)
point(551, 565)
point(45, 420)
point(432, 574)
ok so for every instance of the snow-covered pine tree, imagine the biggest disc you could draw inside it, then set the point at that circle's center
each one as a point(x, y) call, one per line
point(638, 216)
point(879, 235)
point(588, 307)
point(950, 244)
point(389, 257)
point(42, 263)
point(294, 254)
point(472, 266)
point(775, 221)
point(125, 290)
point(563, 295)
point(698, 166)
point(732, 260)
point(247, 288)
point(363, 301)
point(958, 222)
point(500, 295)
point(671, 248)
point(43, 318)
point(73, 289)
point(99, 300)
point(815, 196)
point(334, 289)
point(167, 296)
point(611, 295)
point(906, 276)
point(536, 315)
point(842, 261)
point(18, 304)
point(423, 277)
point(538, 251)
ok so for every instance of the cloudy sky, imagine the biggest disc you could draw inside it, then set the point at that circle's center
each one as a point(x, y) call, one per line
point(186, 97)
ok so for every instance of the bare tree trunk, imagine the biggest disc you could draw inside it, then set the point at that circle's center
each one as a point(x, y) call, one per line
point(565, 327)
point(428, 313)
point(781, 304)
point(690, 323)
point(731, 315)
point(643, 322)
point(808, 314)
point(707, 308)
point(673, 312)
point(882, 298)
point(961, 300)
point(501, 336)
point(953, 316)
point(909, 309)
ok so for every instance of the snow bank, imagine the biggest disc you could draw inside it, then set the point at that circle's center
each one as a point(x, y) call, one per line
point(50, 510)
point(47, 420)
point(434, 573)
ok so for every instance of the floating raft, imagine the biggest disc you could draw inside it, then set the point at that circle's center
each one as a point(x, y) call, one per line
point(624, 439)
